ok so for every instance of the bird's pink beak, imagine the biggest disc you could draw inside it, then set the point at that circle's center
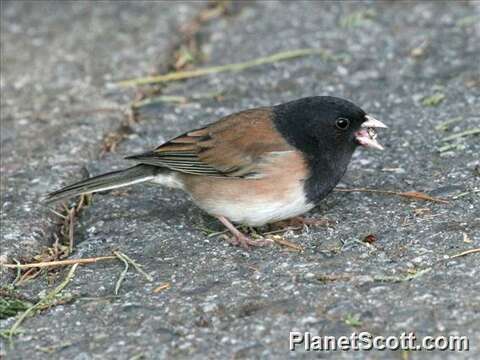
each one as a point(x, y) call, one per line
point(367, 135)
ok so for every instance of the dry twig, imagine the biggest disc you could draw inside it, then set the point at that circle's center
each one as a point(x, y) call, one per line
point(292, 246)
point(408, 194)
point(58, 263)
point(463, 253)
point(162, 287)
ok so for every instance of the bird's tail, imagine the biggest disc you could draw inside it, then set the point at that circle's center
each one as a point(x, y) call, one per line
point(108, 181)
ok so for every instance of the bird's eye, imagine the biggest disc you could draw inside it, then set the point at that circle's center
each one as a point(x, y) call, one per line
point(342, 123)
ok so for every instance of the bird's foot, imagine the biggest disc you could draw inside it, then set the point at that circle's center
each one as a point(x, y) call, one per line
point(239, 238)
point(246, 241)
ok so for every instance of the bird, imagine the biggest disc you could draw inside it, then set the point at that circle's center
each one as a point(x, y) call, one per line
point(253, 167)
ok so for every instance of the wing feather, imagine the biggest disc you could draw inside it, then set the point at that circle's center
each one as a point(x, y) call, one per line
point(235, 146)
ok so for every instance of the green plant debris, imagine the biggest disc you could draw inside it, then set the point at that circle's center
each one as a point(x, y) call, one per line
point(62, 247)
point(161, 99)
point(402, 278)
point(181, 75)
point(122, 274)
point(456, 143)
point(353, 320)
point(433, 100)
point(47, 301)
point(184, 57)
point(358, 18)
point(465, 193)
point(10, 306)
point(127, 261)
point(134, 264)
point(446, 125)
point(470, 132)
point(18, 276)
point(468, 21)
point(216, 233)
point(208, 231)
point(451, 147)
point(139, 356)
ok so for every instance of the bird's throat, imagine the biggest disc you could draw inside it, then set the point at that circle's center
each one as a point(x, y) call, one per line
point(324, 176)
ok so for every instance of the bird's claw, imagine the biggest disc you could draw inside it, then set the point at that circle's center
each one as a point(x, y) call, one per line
point(245, 241)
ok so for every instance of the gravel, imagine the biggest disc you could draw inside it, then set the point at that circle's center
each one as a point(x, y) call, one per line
point(223, 301)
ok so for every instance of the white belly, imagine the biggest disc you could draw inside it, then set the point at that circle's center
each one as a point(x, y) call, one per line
point(259, 211)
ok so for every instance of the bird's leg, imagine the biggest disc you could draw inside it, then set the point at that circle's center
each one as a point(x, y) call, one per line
point(240, 238)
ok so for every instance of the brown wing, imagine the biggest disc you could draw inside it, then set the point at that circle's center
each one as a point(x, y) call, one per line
point(236, 145)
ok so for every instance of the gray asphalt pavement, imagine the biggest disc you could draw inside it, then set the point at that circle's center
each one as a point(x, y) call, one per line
point(413, 65)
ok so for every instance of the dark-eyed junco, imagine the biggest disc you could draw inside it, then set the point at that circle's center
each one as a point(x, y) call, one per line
point(254, 167)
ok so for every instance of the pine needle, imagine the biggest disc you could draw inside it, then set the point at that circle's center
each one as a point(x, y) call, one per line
point(137, 266)
point(126, 260)
point(180, 75)
point(122, 275)
point(465, 133)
